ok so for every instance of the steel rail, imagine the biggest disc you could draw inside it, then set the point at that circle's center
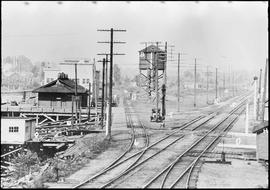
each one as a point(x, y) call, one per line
point(191, 166)
point(141, 151)
point(143, 161)
point(231, 113)
point(113, 165)
point(170, 166)
point(193, 163)
point(197, 159)
point(110, 166)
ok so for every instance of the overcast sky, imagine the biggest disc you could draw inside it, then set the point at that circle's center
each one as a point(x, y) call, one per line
point(217, 33)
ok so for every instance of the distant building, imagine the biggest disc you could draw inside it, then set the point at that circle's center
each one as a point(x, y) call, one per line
point(84, 73)
point(17, 130)
point(261, 131)
point(50, 74)
point(58, 93)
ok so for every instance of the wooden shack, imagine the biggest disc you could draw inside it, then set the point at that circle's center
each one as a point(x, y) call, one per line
point(17, 130)
point(261, 131)
point(59, 93)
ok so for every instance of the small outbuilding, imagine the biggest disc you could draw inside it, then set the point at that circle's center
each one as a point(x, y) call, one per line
point(59, 93)
point(17, 130)
point(261, 131)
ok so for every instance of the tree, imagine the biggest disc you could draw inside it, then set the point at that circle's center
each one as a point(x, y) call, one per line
point(35, 70)
point(23, 163)
point(117, 74)
point(136, 79)
point(188, 75)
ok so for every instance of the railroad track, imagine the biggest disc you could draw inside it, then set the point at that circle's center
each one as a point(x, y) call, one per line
point(153, 155)
point(167, 140)
point(123, 158)
point(178, 172)
point(138, 136)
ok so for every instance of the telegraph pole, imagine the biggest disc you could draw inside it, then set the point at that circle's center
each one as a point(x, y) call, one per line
point(106, 76)
point(259, 96)
point(89, 102)
point(95, 87)
point(156, 83)
point(75, 63)
point(164, 84)
point(76, 91)
point(264, 89)
point(109, 121)
point(255, 98)
point(195, 77)
point(103, 99)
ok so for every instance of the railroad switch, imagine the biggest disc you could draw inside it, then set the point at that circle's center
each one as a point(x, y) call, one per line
point(222, 161)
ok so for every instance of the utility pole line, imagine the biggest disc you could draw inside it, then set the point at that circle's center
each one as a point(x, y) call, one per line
point(89, 102)
point(106, 74)
point(255, 97)
point(156, 81)
point(76, 101)
point(264, 89)
point(164, 85)
point(178, 81)
point(259, 96)
point(95, 87)
point(75, 63)
point(103, 82)
point(105, 99)
point(109, 121)
point(195, 77)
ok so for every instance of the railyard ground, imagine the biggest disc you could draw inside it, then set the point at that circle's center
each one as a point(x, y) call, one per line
point(240, 174)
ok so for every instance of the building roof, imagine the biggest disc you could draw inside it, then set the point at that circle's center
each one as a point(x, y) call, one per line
point(61, 85)
point(261, 126)
point(151, 49)
point(24, 118)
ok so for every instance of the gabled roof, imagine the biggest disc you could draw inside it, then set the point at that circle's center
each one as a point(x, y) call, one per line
point(261, 126)
point(151, 49)
point(61, 86)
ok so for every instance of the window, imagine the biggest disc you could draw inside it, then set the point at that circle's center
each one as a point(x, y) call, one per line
point(88, 81)
point(13, 129)
point(16, 129)
point(83, 81)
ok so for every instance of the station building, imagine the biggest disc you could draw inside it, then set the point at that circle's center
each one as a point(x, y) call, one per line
point(58, 93)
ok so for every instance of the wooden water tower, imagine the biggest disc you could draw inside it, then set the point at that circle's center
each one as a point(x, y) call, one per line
point(152, 66)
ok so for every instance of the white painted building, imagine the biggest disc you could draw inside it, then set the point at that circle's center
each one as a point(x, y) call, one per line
point(50, 74)
point(17, 130)
point(84, 73)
